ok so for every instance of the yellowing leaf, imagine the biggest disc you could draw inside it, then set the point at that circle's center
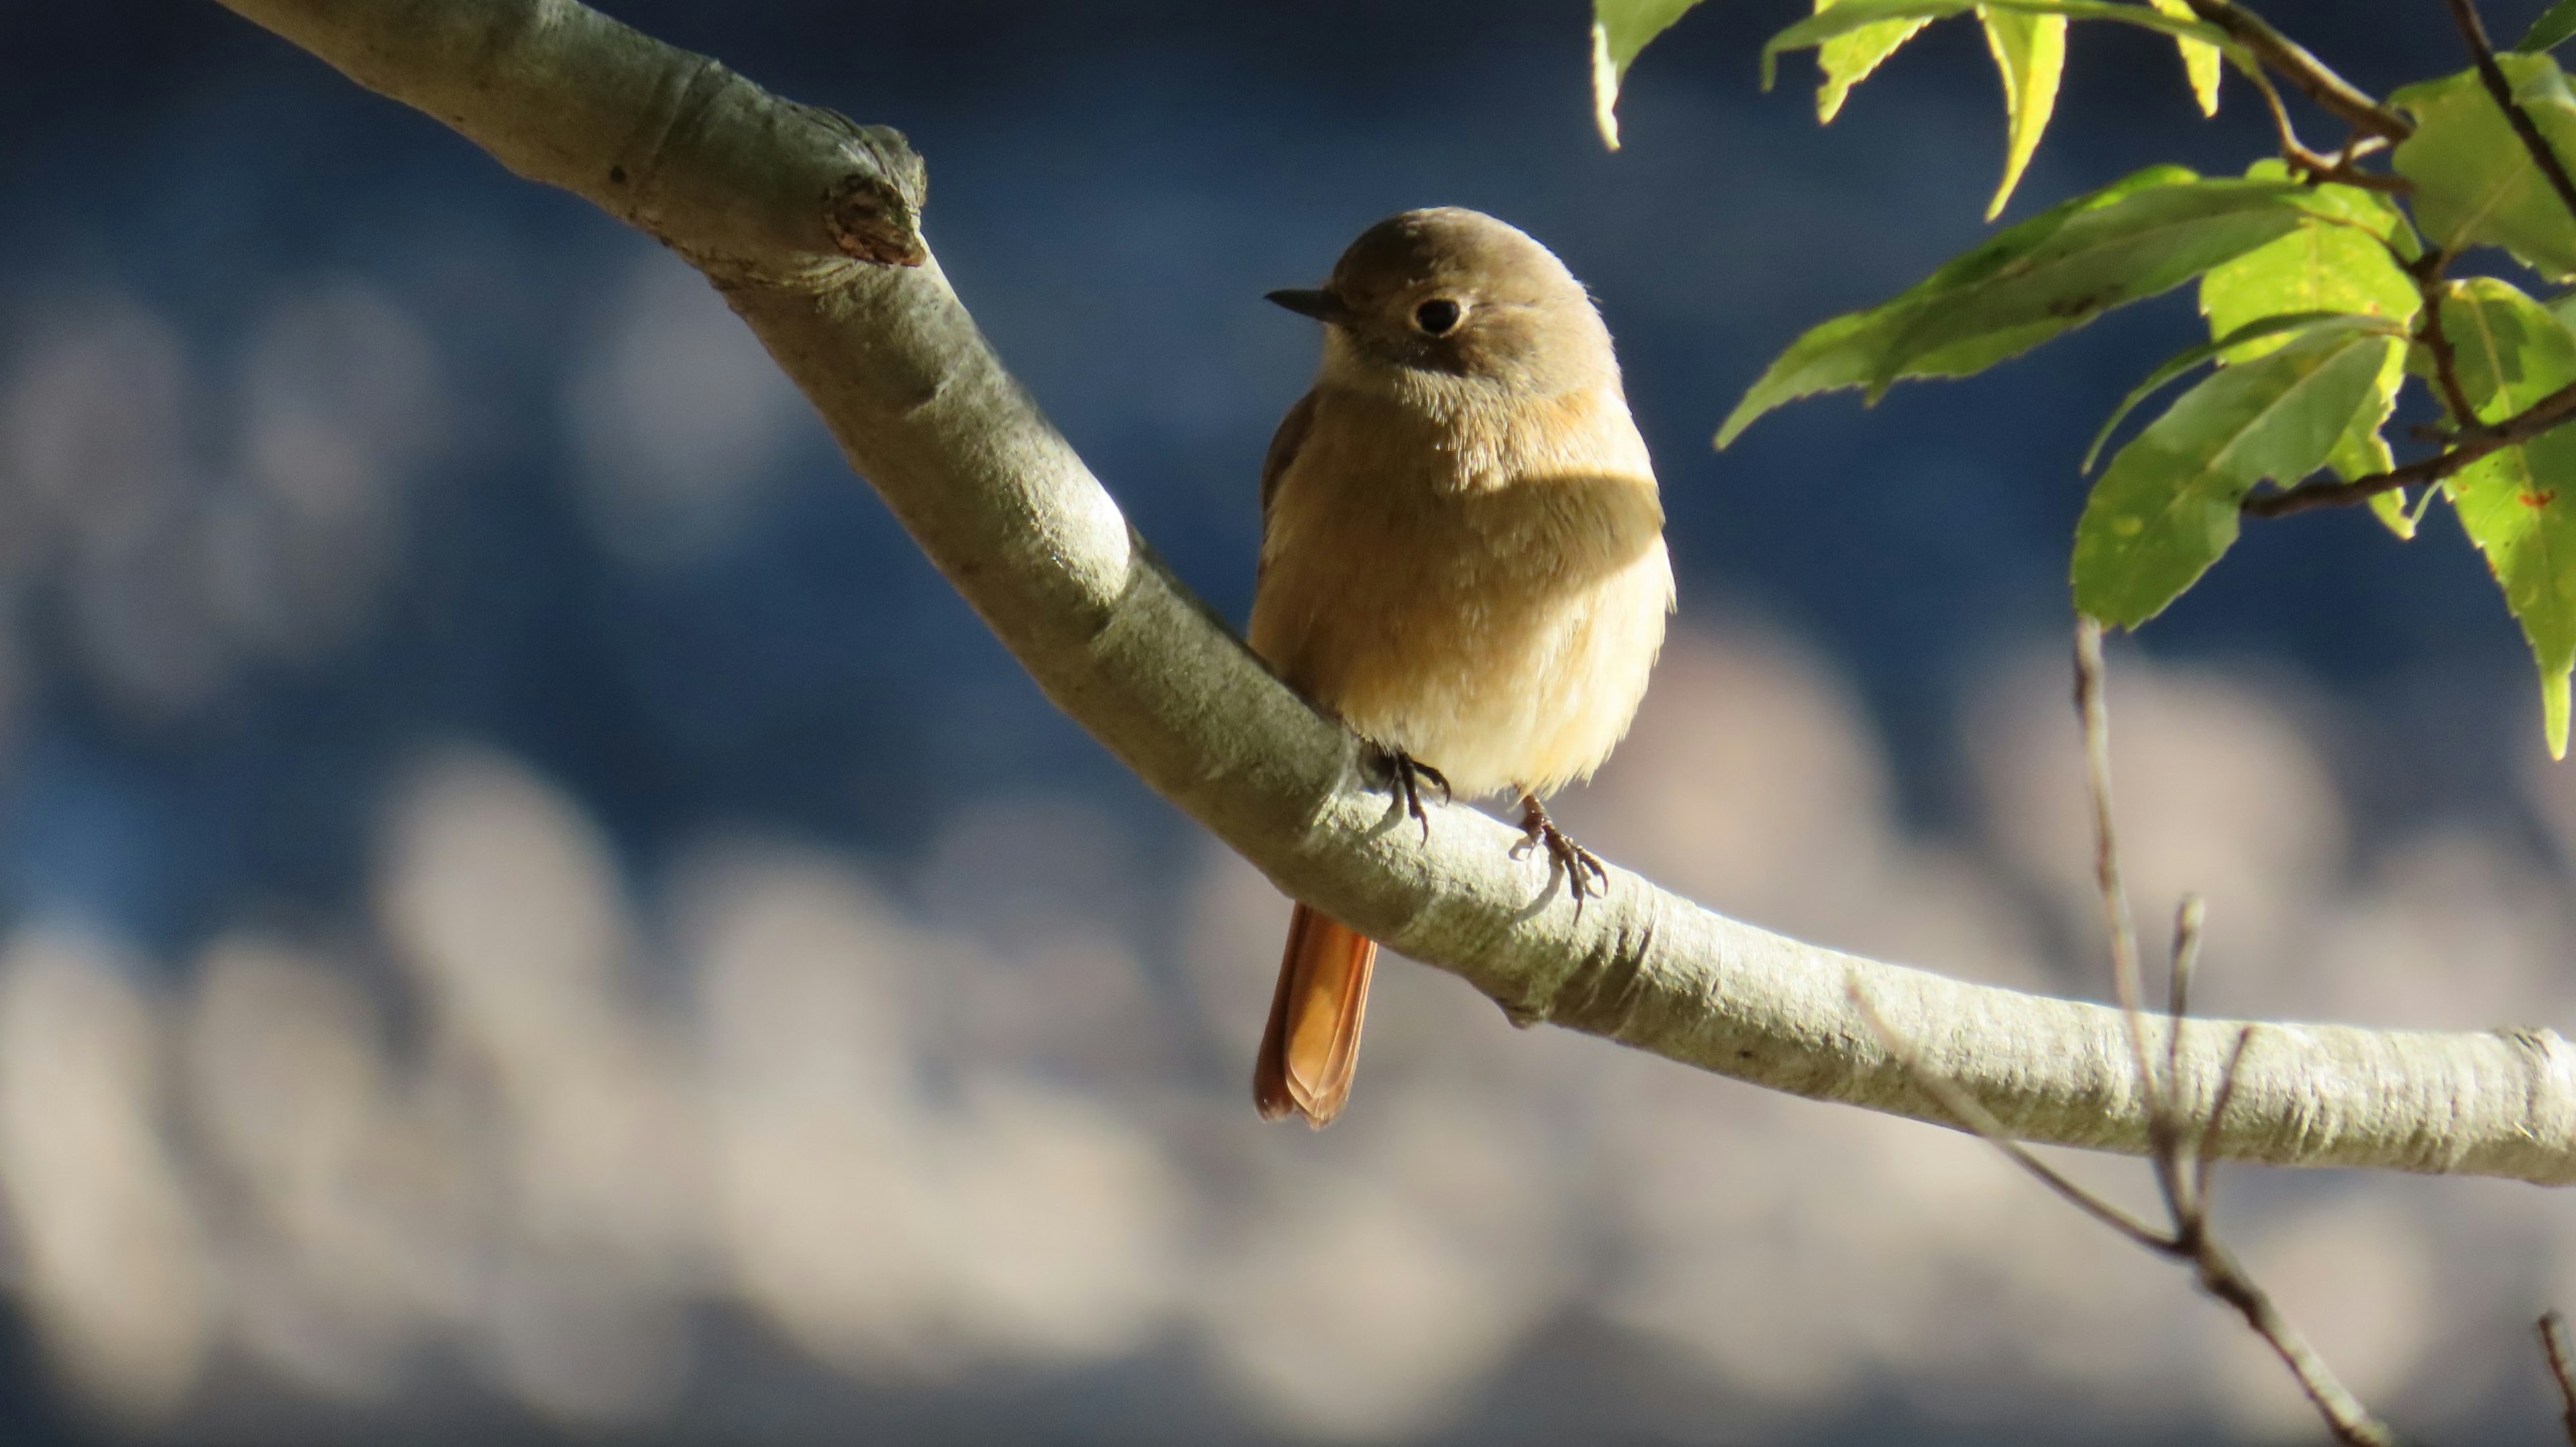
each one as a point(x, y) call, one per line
point(2030, 56)
point(1845, 16)
point(1620, 29)
point(1848, 59)
point(2199, 59)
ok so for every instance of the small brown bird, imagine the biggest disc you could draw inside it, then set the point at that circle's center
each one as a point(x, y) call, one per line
point(1462, 557)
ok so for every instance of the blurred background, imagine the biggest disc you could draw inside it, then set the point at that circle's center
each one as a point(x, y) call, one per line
point(529, 913)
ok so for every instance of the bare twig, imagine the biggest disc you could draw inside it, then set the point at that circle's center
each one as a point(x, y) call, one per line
point(1980, 1122)
point(2089, 679)
point(2562, 1366)
point(2314, 166)
point(2345, 170)
point(2464, 14)
point(2332, 94)
point(2182, 1172)
point(2219, 1274)
point(2164, 1114)
point(2318, 169)
point(2205, 1155)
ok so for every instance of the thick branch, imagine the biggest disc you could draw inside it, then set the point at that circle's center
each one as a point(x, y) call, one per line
point(743, 184)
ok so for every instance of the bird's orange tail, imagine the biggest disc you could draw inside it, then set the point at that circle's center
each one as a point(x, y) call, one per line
point(1312, 1045)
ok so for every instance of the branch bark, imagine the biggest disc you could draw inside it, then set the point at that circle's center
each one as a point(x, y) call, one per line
point(2330, 92)
point(804, 221)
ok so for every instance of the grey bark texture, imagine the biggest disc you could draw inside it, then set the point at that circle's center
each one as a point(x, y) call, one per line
point(809, 225)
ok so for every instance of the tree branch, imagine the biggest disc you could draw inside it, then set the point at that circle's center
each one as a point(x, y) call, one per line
point(749, 187)
point(2473, 32)
point(2474, 442)
point(2562, 1367)
point(2332, 94)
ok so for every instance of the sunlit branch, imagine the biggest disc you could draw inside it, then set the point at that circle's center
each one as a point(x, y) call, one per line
point(800, 218)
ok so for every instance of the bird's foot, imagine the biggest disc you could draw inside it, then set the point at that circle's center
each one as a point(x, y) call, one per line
point(1585, 874)
point(1407, 776)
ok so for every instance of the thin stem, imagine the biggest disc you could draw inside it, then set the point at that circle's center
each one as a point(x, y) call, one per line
point(2427, 272)
point(2096, 713)
point(2331, 93)
point(2532, 421)
point(2164, 1118)
point(2562, 1365)
point(1977, 1120)
point(2205, 1155)
point(2464, 14)
point(2345, 1416)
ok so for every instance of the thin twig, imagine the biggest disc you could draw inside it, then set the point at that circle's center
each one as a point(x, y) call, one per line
point(2164, 1115)
point(2346, 1417)
point(2562, 1365)
point(2292, 149)
point(2096, 713)
point(2427, 273)
point(2341, 173)
point(2464, 14)
point(2182, 1172)
point(2539, 417)
point(2346, 170)
point(2205, 1155)
point(2333, 94)
point(2313, 166)
point(1980, 1122)
point(2185, 1184)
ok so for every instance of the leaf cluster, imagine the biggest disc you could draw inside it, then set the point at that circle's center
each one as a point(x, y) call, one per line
point(2323, 281)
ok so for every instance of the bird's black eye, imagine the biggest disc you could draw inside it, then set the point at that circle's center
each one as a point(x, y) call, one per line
point(1436, 316)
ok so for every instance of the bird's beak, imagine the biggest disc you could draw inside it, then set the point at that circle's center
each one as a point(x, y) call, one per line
point(1323, 306)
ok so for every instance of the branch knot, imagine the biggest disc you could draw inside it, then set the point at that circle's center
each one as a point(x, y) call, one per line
point(873, 214)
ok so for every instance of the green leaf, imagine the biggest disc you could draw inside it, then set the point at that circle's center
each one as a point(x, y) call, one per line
point(2549, 31)
point(2337, 260)
point(2361, 452)
point(1849, 58)
point(2474, 182)
point(2241, 340)
point(1846, 16)
point(1620, 29)
point(2519, 505)
point(2391, 510)
point(2199, 58)
point(2050, 274)
point(2166, 508)
point(2030, 57)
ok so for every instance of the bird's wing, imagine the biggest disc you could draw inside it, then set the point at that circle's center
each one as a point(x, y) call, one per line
point(1283, 451)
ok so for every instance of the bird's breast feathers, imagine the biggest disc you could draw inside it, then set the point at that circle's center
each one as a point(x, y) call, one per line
point(1483, 586)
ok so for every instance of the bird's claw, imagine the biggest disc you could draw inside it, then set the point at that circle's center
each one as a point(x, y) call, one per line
point(1409, 774)
point(1585, 875)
